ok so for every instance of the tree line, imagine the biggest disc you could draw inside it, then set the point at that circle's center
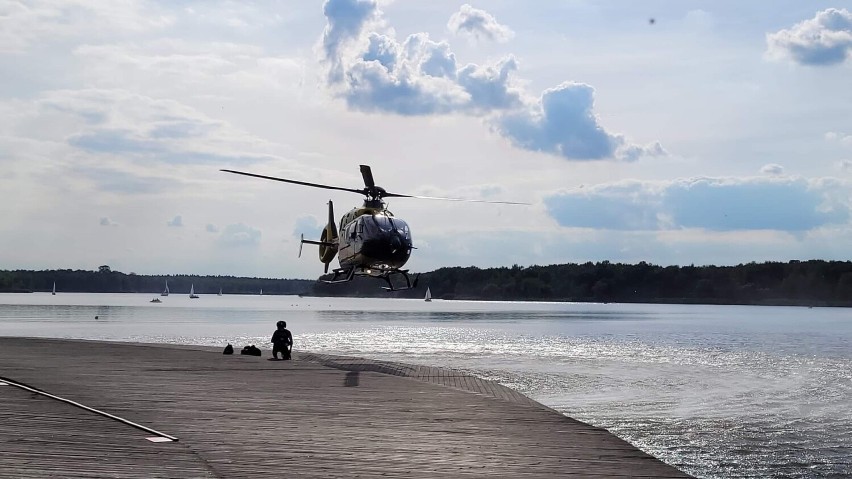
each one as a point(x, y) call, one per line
point(811, 283)
point(105, 280)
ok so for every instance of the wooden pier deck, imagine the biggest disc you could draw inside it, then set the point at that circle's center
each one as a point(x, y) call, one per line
point(244, 416)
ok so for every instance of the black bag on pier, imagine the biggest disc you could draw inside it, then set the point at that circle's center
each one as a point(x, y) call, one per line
point(251, 350)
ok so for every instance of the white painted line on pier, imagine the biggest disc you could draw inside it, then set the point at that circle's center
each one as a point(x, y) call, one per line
point(91, 409)
point(158, 439)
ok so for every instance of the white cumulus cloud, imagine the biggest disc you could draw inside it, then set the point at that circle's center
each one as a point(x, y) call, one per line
point(478, 24)
point(823, 40)
point(563, 122)
point(374, 72)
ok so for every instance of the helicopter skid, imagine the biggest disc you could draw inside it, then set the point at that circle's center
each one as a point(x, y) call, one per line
point(404, 273)
point(344, 275)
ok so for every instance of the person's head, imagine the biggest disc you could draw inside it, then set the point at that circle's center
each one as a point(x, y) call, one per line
point(281, 324)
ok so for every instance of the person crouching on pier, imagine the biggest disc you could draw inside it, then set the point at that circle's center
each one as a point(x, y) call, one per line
point(282, 341)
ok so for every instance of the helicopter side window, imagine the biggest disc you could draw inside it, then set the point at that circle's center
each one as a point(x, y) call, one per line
point(358, 229)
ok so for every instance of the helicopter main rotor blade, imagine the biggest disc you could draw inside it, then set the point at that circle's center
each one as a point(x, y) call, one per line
point(368, 177)
point(295, 182)
point(397, 195)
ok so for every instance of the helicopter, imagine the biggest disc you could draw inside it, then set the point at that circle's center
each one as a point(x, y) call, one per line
point(371, 241)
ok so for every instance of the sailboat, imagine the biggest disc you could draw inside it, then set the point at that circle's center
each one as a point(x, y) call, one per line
point(220, 292)
point(428, 294)
point(261, 291)
point(54, 289)
point(192, 294)
point(166, 291)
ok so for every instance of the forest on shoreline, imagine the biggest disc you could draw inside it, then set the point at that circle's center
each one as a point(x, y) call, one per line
point(105, 280)
point(805, 283)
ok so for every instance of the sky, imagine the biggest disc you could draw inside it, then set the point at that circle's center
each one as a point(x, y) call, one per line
point(672, 132)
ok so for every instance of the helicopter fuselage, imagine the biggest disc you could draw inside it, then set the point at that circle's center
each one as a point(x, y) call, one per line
point(372, 238)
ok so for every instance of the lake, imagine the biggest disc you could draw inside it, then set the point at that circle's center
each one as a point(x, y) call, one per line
point(718, 391)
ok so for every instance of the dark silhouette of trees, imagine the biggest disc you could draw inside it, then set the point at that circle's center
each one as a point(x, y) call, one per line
point(808, 283)
point(811, 283)
point(105, 280)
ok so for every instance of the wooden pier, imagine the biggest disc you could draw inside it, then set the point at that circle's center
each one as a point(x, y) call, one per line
point(244, 416)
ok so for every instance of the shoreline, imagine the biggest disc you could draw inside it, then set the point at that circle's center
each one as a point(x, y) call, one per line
point(463, 423)
point(659, 301)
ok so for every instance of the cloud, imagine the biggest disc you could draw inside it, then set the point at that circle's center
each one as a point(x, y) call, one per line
point(478, 24)
point(23, 24)
point(122, 182)
point(563, 122)
point(211, 228)
point(420, 77)
point(143, 129)
point(308, 225)
point(718, 204)
point(844, 165)
point(176, 222)
point(373, 72)
point(772, 169)
point(823, 40)
point(105, 221)
point(189, 70)
point(346, 19)
point(843, 139)
point(239, 235)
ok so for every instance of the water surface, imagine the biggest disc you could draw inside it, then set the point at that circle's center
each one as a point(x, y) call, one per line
point(718, 391)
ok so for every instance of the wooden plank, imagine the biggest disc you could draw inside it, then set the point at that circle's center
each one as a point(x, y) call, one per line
point(316, 416)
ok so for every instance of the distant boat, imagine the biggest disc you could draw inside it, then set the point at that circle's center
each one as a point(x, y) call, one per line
point(192, 294)
point(166, 291)
point(428, 294)
point(54, 289)
point(156, 300)
point(261, 291)
point(220, 292)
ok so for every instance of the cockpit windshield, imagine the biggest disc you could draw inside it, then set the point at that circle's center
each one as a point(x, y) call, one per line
point(386, 224)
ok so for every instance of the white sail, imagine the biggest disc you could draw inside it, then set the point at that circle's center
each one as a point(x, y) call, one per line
point(165, 291)
point(192, 291)
point(428, 294)
point(54, 288)
point(220, 292)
